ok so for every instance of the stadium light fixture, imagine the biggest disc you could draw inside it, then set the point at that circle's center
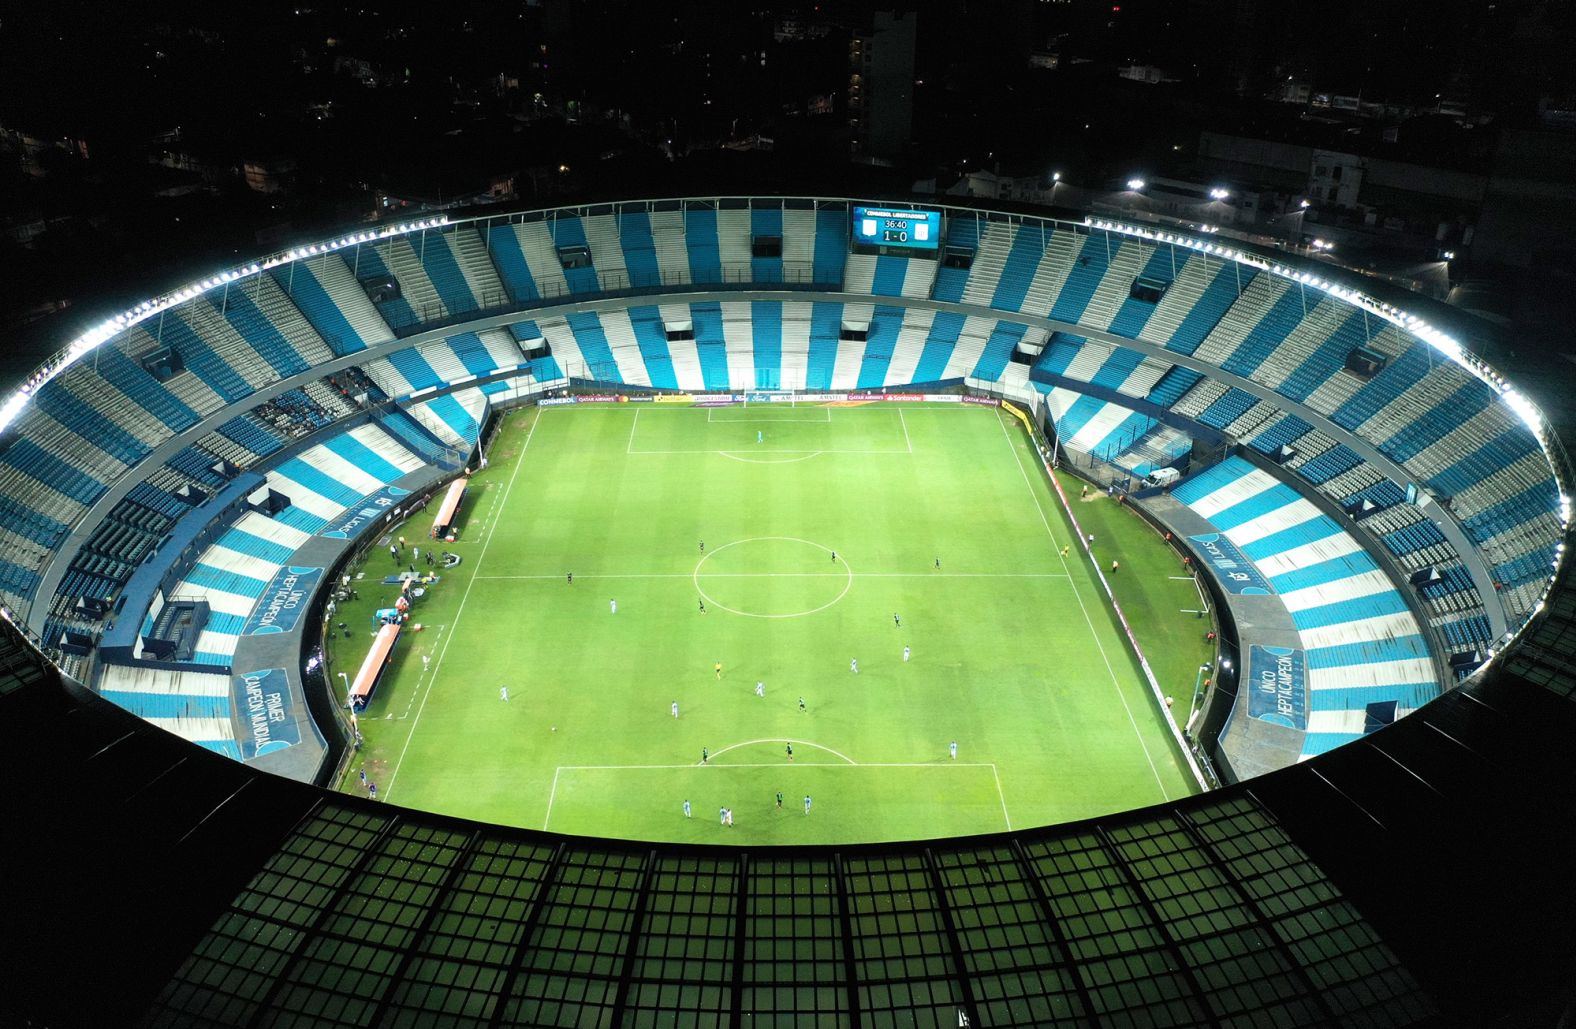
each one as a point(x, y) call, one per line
point(1449, 255)
point(1056, 176)
point(71, 353)
point(1219, 194)
point(1304, 204)
point(1135, 184)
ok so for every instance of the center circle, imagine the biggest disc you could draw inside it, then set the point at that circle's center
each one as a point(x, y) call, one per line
point(773, 577)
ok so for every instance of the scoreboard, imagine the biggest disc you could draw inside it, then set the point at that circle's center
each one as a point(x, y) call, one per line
point(905, 229)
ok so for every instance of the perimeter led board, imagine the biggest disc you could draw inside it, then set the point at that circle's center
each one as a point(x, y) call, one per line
point(882, 227)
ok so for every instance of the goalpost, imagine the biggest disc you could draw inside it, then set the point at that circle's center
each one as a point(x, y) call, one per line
point(771, 396)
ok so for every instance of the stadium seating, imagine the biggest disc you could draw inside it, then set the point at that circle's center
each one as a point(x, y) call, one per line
point(194, 705)
point(99, 421)
point(454, 418)
point(1362, 643)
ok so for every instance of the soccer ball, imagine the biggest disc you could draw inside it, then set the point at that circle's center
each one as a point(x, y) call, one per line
point(555, 728)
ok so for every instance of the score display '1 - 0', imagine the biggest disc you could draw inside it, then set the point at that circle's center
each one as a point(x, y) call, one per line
point(897, 230)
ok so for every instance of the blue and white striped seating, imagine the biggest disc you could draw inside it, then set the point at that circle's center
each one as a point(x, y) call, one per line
point(1363, 644)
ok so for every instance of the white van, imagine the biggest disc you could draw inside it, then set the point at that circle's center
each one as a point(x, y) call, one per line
point(1162, 477)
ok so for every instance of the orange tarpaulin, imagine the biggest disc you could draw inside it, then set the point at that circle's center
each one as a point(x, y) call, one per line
point(449, 509)
point(366, 679)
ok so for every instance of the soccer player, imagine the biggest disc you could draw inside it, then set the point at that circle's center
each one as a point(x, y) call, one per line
point(898, 622)
point(938, 564)
point(363, 778)
point(1066, 549)
point(675, 709)
point(760, 689)
point(702, 546)
point(705, 756)
point(372, 788)
point(686, 809)
point(702, 604)
point(612, 606)
point(790, 752)
point(718, 668)
point(1114, 566)
point(759, 436)
point(722, 816)
point(503, 694)
point(571, 578)
point(853, 666)
point(905, 654)
point(954, 749)
point(779, 800)
point(426, 662)
point(807, 803)
point(834, 557)
point(728, 817)
point(801, 705)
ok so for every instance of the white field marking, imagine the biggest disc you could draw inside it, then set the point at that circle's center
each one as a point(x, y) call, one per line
point(1002, 796)
point(996, 775)
point(802, 743)
point(779, 764)
point(847, 570)
point(752, 460)
point(550, 795)
point(1084, 608)
point(519, 461)
point(904, 422)
point(629, 448)
point(437, 630)
point(659, 453)
point(1181, 578)
point(711, 417)
point(801, 575)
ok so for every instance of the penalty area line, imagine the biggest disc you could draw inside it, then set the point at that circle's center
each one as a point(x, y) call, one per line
point(550, 795)
point(1001, 796)
point(938, 763)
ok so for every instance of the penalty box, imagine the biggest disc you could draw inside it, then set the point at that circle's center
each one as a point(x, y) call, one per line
point(789, 430)
point(851, 803)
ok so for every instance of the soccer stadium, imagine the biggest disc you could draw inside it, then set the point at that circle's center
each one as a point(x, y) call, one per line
point(783, 611)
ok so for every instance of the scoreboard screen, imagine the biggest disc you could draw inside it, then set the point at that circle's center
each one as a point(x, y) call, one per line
point(881, 227)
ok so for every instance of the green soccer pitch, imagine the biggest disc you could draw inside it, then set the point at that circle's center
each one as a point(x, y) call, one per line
point(807, 532)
